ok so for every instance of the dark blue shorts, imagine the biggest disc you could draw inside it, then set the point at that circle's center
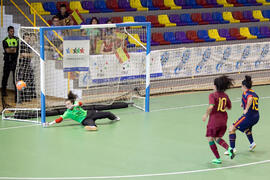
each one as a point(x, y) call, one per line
point(246, 122)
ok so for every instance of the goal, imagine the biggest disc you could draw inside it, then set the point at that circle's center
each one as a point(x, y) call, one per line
point(102, 64)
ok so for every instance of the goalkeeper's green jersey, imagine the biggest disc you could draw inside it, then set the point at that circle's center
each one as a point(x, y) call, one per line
point(77, 113)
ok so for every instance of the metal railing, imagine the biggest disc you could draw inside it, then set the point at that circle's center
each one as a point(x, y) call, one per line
point(33, 23)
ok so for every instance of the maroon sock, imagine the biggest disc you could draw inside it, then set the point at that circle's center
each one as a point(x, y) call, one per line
point(214, 149)
point(223, 143)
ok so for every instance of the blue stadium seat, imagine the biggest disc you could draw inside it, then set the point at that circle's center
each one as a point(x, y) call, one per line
point(181, 36)
point(265, 13)
point(208, 18)
point(149, 4)
point(186, 20)
point(265, 31)
point(89, 5)
point(218, 18)
point(256, 32)
point(51, 7)
point(182, 3)
point(124, 4)
point(224, 33)
point(192, 4)
point(214, 3)
point(169, 36)
point(203, 34)
point(103, 20)
point(249, 2)
point(140, 19)
point(101, 5)
point(175, 18)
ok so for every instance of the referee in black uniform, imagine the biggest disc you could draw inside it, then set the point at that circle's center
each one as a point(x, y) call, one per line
point(11, 50)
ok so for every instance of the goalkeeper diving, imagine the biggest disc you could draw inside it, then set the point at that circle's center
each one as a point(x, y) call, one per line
point(77, 113)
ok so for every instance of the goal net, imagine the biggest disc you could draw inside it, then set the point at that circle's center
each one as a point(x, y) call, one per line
point(102, 64)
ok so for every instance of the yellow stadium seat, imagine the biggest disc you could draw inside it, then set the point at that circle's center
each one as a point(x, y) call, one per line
point(132, 41)
point(137, 4)
point(164, 19)
point(264, 2)
point(77, 5)
point(39, 8)
point(171, 4)
point(213, 33)
point(130, 19)
point(244, 31)
point(224, 3)
point(228, 17)
point(257, 14)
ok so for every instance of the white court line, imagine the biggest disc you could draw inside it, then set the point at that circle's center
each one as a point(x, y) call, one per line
point(139, 175)
point(166, 109)
point(198, 105)
point(16, 127)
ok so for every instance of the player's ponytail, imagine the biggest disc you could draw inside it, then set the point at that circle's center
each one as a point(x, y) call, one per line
point(223, 83)
point(247, 82)
point(72, 97)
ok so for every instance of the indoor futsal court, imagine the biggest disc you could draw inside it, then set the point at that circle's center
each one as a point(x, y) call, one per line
point(168, 143)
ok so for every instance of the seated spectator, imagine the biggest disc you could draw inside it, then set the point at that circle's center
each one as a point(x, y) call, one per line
point(91, 31)
point(63, 14)
point(50, 34)
point(54, 37)
point(94, 34)
point(109, 31)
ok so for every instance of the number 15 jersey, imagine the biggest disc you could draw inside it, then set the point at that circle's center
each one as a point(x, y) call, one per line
point(218, 116)
point(254, 108)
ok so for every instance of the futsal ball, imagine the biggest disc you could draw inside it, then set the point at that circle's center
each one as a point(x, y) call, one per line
point(20, 85)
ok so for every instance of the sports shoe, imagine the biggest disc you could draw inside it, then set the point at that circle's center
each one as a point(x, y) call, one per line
point(227, 153)
point(90, 128)
point(117, 118)
point(231, 153)
point(252, 146)
point(216, 161)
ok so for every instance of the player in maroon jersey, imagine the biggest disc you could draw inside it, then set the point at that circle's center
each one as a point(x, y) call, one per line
point(219, 102)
